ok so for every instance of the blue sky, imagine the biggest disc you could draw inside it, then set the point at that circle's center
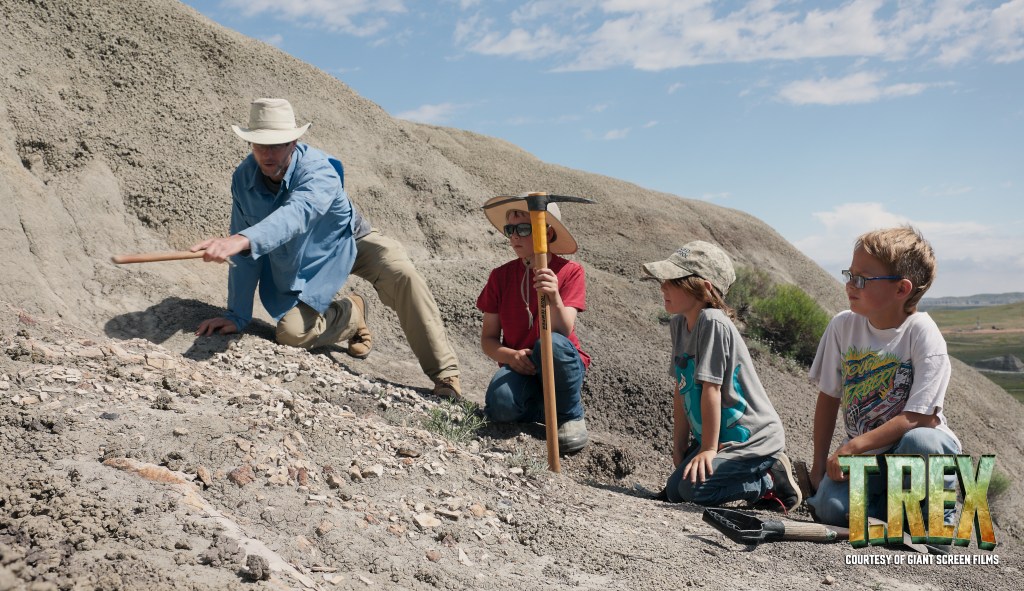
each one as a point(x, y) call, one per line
point(824, 119)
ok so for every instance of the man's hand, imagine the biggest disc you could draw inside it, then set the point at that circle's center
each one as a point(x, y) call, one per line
point(218, 250)
point(522, 364)
point(216, 326)
point(700, 467)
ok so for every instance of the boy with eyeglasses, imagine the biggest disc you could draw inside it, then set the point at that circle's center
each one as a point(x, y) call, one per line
point(511, 327)
point(885, 365)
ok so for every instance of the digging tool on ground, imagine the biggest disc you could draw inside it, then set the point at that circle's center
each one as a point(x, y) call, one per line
point(537, 205)
point(750, 530)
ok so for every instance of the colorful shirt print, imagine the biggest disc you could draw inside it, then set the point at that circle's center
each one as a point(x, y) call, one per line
point(875, 388)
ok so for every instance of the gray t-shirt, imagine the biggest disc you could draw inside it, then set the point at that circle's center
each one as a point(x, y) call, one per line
point(714, 352)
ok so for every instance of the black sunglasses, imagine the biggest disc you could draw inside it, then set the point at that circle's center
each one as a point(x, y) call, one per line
point(523, 230)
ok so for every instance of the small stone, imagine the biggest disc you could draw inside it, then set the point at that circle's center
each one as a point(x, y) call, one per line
point(324, 527)
point(373, 472)
point(426, 520)
point(180, 432)
point(242, 475)
point(355, 473)
point(829, 580)
point(516, 471)
point(433, 555)
point(453, 515)
point(258, 568)
point(408, 452)
point(109, 416)
point(335, 481)
point(477, 510)
point(204, 476)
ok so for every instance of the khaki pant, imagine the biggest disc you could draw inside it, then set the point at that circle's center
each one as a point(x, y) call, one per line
point(384, 262)
point(302, 326)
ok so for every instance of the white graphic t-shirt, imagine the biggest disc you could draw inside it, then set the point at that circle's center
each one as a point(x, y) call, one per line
point(878, 374)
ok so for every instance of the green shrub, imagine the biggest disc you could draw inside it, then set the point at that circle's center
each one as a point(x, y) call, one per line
point(456, 421)
point(751, 284)
point(790, 321)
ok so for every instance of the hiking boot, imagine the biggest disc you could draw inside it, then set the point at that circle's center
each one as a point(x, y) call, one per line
point(447, 387)
point(572, 436)
point(361, 343)
point(785, 492)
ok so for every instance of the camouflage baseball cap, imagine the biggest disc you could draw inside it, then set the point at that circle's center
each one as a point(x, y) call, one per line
point(696, 258)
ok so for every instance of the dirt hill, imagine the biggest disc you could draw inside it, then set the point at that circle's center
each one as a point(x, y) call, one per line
point(114, 137)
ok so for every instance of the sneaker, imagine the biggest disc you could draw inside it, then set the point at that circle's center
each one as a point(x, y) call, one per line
point(361, 343)
point(447, 387)
point(572, 436)
point(785, 492)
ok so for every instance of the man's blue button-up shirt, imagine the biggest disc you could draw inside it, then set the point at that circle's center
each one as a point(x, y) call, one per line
point(302, 248)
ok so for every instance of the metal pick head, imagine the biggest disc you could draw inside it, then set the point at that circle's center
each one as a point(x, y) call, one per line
point(538, 201)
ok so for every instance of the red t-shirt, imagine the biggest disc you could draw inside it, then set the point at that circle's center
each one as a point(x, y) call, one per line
point(503, 295)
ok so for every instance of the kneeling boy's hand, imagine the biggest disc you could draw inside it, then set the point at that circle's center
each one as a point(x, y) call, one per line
point(835, 471)
point(700, 467)
point(522, 364)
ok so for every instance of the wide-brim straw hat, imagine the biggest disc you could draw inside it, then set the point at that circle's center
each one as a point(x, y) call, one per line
point(498, 216)
point(271, 121)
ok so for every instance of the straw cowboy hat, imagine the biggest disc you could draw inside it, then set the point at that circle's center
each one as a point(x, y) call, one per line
point(271, 121)
point(564, 243)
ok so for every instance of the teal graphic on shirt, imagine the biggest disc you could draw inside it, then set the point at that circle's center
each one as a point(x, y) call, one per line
point(690, 389)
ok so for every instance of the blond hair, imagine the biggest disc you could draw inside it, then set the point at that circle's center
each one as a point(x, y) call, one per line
point(694, 285)
point(906, 253)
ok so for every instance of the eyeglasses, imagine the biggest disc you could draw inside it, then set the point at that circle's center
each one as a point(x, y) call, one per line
point(859, 281)
point(523, 230)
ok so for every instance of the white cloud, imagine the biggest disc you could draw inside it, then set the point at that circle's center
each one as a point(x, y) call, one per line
point(617, 134)
point(430, 114)
point(665, 34)
point(946, 190)
point(275, 40)
point(674, 87)
point(521, 43)
point(337, 15)
point(650, 124)
point(862, 87)
point(963, 249)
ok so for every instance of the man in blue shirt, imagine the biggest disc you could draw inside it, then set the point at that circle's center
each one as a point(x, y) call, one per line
point(292, 225)
point(290, 197)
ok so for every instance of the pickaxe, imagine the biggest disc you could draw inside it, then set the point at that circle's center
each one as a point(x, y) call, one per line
point(537, 205)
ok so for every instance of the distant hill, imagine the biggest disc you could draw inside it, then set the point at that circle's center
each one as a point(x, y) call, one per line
point(973, 301)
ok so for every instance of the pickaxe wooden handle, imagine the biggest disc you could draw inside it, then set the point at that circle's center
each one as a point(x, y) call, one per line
point(153, 257)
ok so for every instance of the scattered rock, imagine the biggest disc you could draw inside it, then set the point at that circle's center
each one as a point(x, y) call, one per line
point(258, 569)
point(242, 475)
point(426, 520)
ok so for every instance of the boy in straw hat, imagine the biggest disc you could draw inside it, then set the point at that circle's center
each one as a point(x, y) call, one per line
point(511, 330)
point(291, 212)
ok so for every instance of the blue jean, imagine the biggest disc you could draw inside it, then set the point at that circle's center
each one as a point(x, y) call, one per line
point(831, 503)
point(516, 398)
point(730, 480)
